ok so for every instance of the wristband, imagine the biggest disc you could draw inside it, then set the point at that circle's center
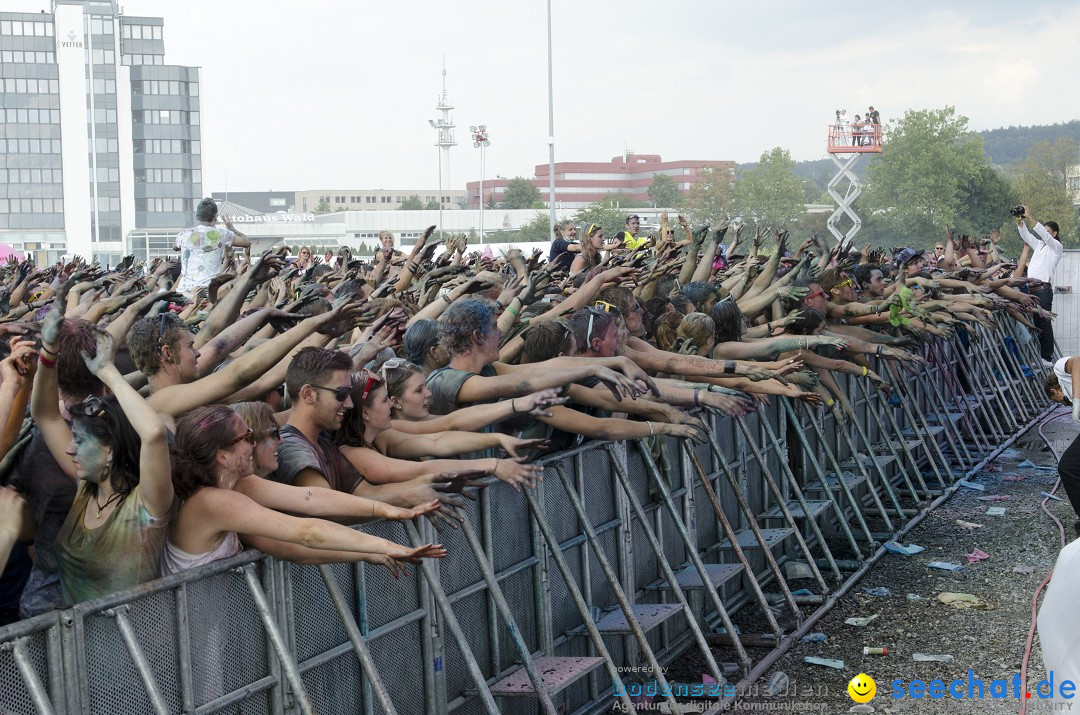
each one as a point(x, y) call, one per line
point(879, 349)
point(864, 371)
point(652, 433)
point(729, 367)
point(513, 407)
point(46, 350)
point(768, 326)
point(830, 403)
point(511, 311)
point(42, 360)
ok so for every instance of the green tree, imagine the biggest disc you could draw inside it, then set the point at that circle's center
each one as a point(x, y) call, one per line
point(925, 173)
point(323, 206)
point(709, 200)
point(490, 202)
point(1040, 185)
point(770, 194)
point(537, 230)
point(664, 192)
point(606, 215)
point(411, 203)
point(432, 205)
point(520, 193)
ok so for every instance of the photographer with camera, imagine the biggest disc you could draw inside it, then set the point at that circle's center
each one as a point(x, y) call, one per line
point(1046, 251)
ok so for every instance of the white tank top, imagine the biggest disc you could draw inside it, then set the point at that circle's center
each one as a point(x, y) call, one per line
point(174, 559)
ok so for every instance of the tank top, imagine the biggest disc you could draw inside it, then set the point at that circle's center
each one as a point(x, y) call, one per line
point(175, 559)
point(121, 553)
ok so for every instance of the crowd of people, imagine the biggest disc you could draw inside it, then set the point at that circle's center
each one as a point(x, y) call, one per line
point(862, 130)
point(159, 417)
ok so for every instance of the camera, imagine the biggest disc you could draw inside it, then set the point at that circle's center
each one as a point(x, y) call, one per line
point(1017, 211)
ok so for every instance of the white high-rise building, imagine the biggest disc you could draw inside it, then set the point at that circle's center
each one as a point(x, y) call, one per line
point(101, 146)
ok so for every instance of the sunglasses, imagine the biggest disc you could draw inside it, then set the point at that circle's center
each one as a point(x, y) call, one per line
point(90, 407)
point(341, 393)
point(393, 364)
point(605, 306)
point(815, 294)
point(593, 228)
point(844, 284)
point(248, 437)
point(372, 378)
point(274, 432)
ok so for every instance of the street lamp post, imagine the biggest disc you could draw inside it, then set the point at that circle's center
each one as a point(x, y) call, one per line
point(480, 141)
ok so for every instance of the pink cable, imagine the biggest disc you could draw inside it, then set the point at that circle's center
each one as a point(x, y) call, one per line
point(1045, 581)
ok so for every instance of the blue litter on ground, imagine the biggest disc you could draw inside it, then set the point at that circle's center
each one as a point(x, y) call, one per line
point(802, 592)
point(945, 566)
point(894, 547)
point(1048, 495)
point(814, 638)
point(877, 591)
point(827, 662)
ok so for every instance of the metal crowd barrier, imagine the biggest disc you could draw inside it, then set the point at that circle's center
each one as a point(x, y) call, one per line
point(627, 556)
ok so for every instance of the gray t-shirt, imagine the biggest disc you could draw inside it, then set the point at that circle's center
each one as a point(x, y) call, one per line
point(446, 382)
point(296, 453)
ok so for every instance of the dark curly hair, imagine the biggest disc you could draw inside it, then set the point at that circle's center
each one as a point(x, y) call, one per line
point(199, 435)
point(148, 335)
point(464, 319)
point(207, 210)
point(729, 321)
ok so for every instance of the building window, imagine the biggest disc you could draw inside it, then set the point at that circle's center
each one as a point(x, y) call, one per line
point(277, 203)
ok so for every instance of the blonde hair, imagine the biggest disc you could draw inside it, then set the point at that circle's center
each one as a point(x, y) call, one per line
point(258, 416)
point(698, 328)
point(666, 330)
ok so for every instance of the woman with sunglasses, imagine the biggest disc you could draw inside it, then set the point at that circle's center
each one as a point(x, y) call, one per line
point(591, 246)
point(382, 454)
point(224, 503)
point(116, 450)
point(304, 259)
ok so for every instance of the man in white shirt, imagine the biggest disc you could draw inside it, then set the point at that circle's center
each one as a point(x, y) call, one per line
point(1059, 388)
point(1046, 252)
point(203, 248)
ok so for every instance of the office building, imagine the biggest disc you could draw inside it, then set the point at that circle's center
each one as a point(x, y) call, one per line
point(580, 183)
point(101, 142)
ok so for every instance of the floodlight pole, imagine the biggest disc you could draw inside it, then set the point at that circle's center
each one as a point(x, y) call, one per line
point(480, 141)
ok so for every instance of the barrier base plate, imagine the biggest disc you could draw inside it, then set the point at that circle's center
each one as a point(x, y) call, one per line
point(647, 615)
point(690, 578)
point(555, 674)
point(796, 511)
point(747, 540)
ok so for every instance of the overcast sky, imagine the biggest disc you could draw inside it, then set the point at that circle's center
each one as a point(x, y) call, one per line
point(337, 93)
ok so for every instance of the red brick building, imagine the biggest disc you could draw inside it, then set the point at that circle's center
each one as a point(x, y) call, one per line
point(579, 183)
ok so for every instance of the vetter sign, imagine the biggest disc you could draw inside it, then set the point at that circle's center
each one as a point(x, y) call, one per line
point(72, 41)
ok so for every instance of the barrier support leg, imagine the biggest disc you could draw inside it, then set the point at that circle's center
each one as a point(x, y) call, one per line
point(127, 633)
point(367, 663)
point(274, 635)
point(33, 684)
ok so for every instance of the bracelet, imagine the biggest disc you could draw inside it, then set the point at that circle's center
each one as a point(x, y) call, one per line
point(805, 342)
point(511, 311)
point(879, 349)
point(513, 407)
point(652, 432)
point(768, 325)
point(864, 371)
point(46, 350)
point(830, 403)
point(697, 402)
point(493, 471)
point(729, 367)
point(46, 361)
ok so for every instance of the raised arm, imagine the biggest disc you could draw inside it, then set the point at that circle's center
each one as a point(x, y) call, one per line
point(155, 472)
point(45, 398)
point(324, 503)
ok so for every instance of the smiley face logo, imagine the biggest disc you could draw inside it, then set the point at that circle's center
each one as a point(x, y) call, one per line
point(862, 688)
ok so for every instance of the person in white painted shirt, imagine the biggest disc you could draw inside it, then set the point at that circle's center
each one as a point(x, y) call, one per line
point(1046, 252)
point(203, 248)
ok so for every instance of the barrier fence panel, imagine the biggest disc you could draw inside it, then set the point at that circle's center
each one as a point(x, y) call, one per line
point(627, 555)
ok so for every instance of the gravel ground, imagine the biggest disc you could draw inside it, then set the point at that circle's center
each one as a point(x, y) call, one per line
point(989, 642)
